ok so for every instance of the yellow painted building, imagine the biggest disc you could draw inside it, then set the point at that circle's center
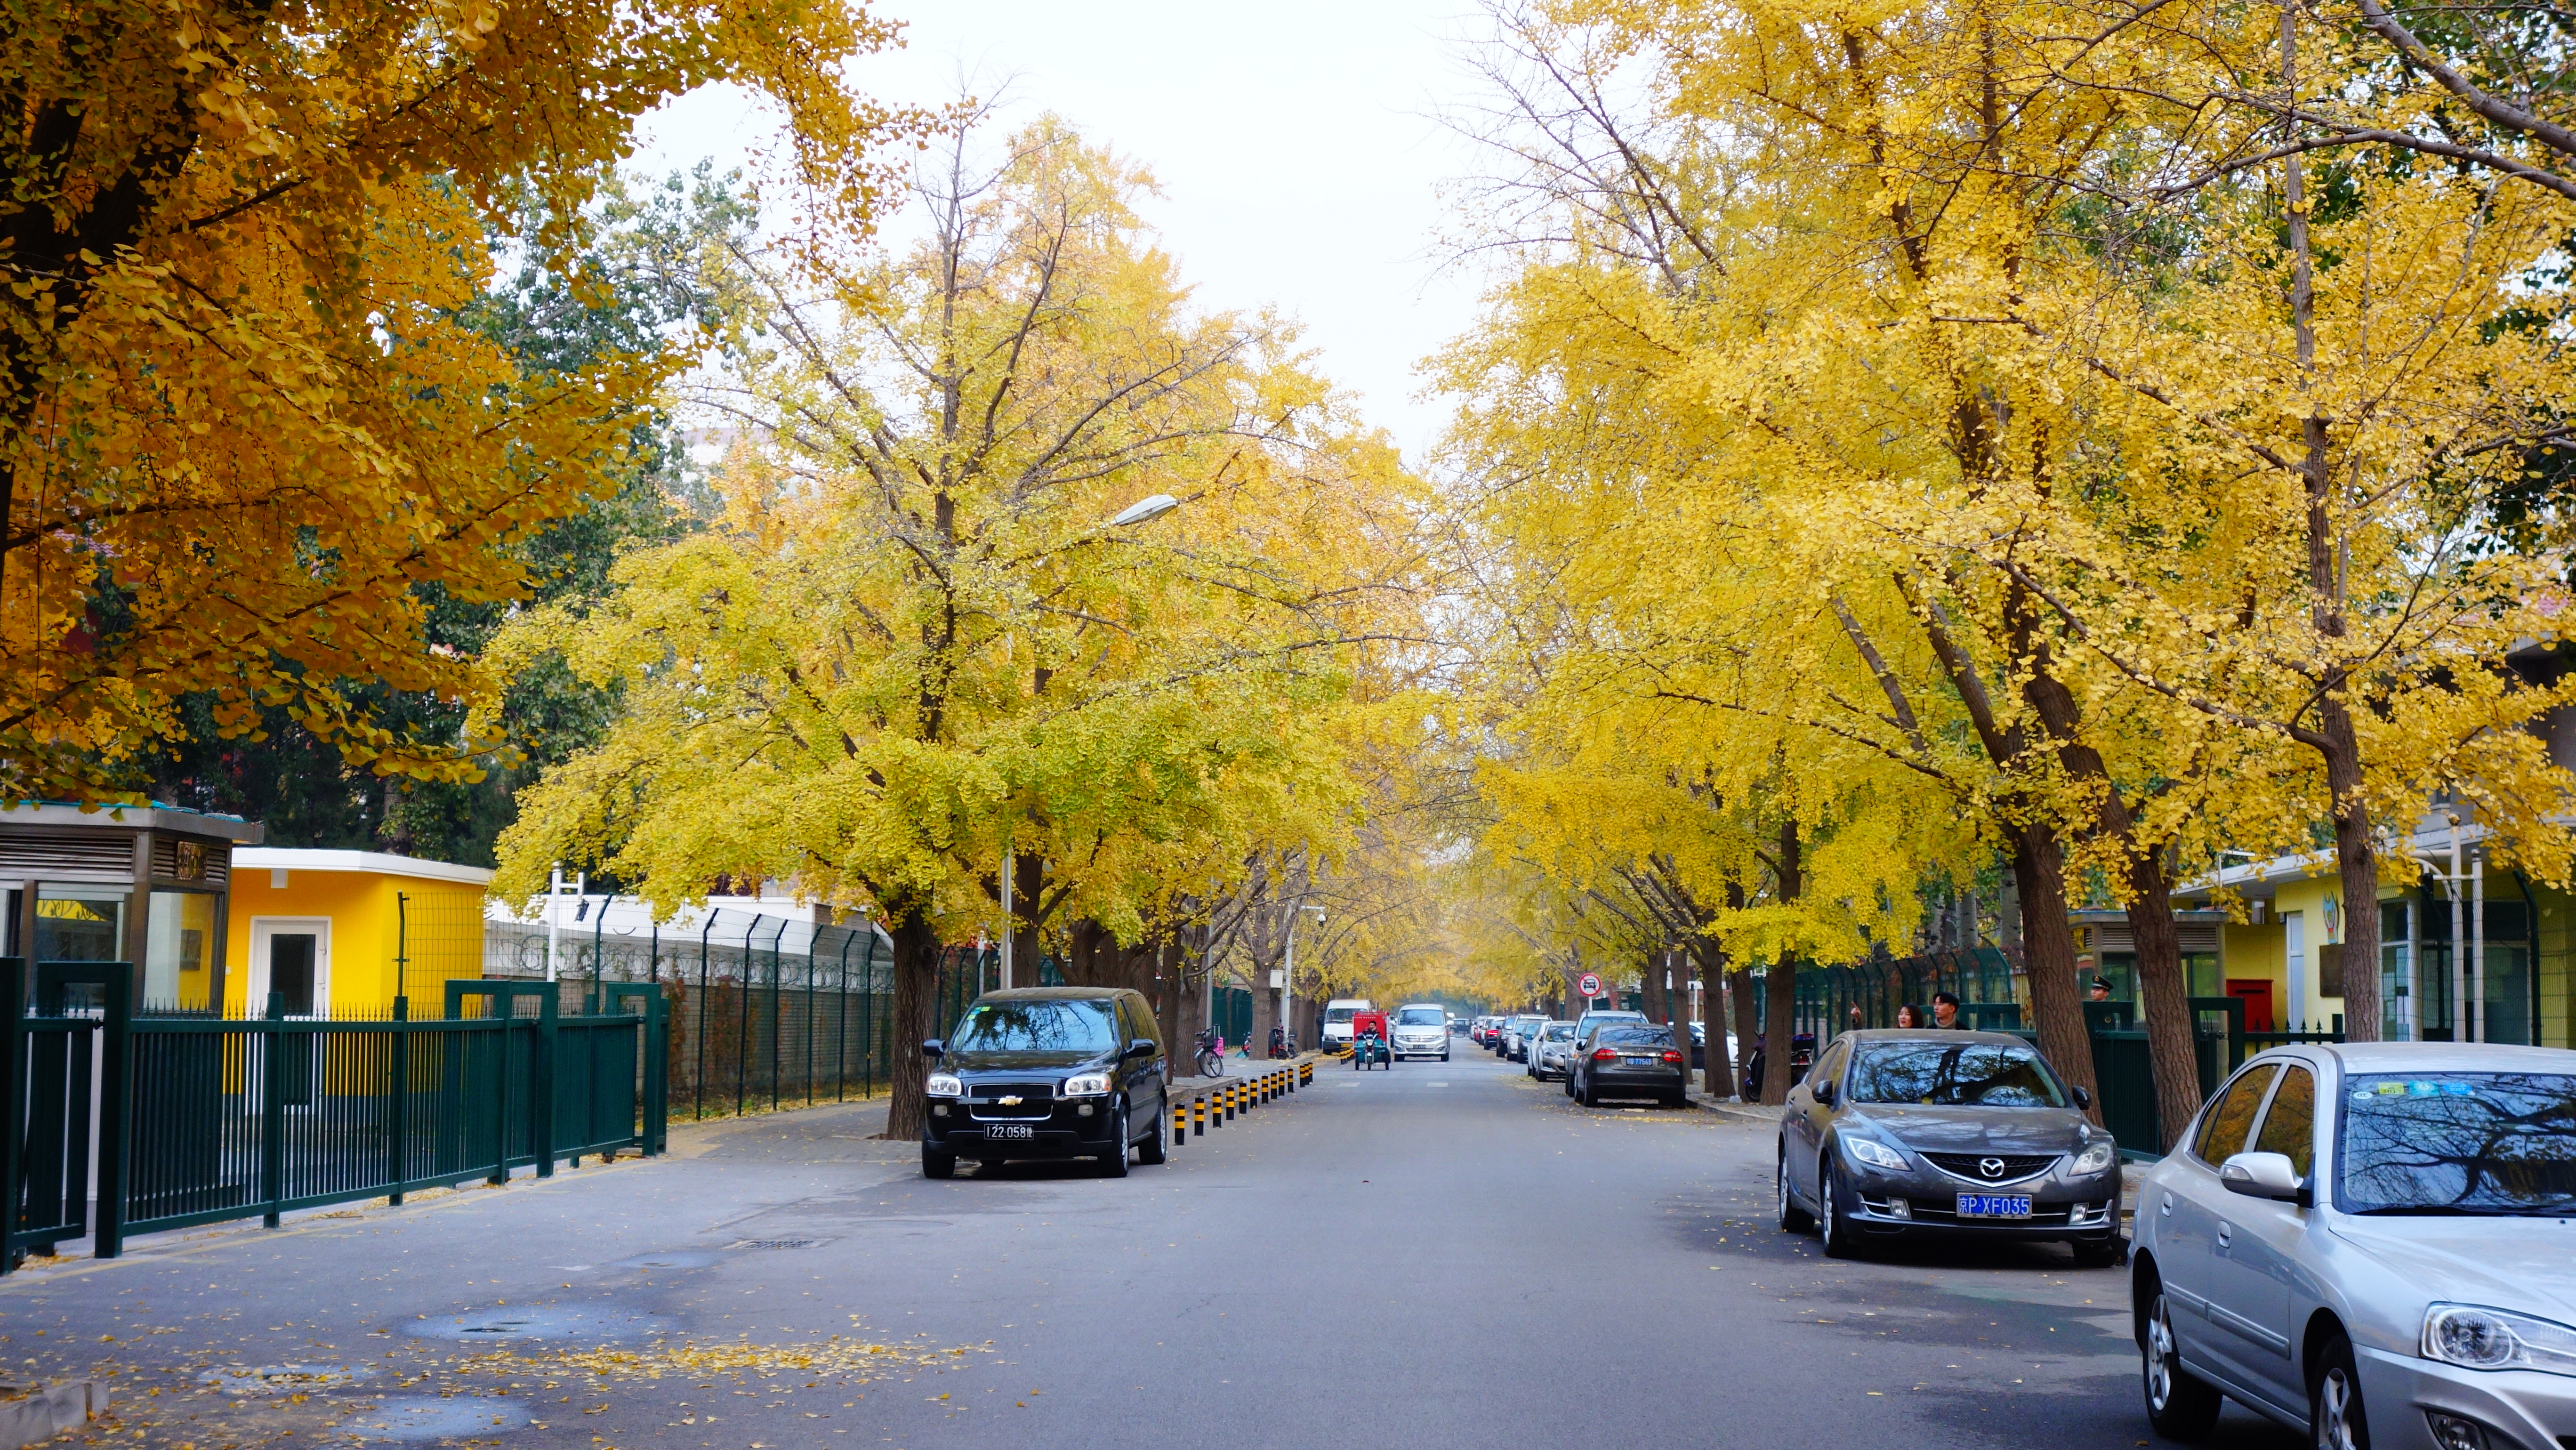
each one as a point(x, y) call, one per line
point(340, 933)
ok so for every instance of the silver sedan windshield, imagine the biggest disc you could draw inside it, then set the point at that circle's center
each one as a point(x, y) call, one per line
point(2459, 1142)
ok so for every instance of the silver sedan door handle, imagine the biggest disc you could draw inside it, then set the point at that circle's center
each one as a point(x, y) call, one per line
point(2225, 1232)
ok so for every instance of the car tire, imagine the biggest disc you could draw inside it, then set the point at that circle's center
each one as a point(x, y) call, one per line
point(1833, 1218)
point(935, 1164)
point(1588, 1095)
point(2335, 1415)
point(1155, 1149)
point(1569, 1084)
point(2180, 1405)
point(1114, 1165)
point(1793, 1219)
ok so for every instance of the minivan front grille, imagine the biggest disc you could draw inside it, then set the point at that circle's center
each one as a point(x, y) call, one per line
point(1034, 1100)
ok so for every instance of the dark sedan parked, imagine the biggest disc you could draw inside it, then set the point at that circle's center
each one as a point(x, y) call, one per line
point(1896, 1132)
point(1047, 1072)
point(1627, 1060)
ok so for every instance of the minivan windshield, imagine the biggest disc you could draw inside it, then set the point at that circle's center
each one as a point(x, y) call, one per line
point(1421, 1017)
point(1963, 1074)
point(2459, 1142)
point(1043, 1026)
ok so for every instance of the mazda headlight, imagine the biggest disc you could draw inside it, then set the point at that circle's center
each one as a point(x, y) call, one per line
point(2094, 1159)
point(2478, 1338)
point(1875, 1154)
point(943, 1085)
point(1087, 1085)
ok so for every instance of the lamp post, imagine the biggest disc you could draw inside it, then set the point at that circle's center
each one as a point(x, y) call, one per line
point(1143, 510)
point(1288, 969)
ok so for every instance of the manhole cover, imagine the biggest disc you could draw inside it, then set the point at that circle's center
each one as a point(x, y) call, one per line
point(672, 1259)
point(285, 1379)
point(505, 1323)
point(420, 1417)
point(777, 1243)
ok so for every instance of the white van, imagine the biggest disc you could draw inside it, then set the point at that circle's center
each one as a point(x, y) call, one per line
point(1421, 1029)
point(1337, 1019)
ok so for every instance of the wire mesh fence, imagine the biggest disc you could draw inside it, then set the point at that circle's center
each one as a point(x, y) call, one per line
point(765, 1011)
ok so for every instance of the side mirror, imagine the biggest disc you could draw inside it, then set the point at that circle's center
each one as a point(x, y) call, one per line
point(2264, 1175)
point(934, 1049)
point(2084, 1099)
point(1825, 1093)
point(1138, 1047)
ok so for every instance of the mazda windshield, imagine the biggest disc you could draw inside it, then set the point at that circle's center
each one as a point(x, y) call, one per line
point(1953, 1075)
point(2459, 1143)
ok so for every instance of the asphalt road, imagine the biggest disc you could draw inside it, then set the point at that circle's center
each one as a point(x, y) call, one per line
point(1436, 1255)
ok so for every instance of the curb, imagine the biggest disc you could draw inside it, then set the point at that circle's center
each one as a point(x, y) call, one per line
point(43, 1414)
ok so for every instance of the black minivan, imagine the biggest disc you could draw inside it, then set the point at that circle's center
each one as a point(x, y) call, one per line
point(1047, 1072)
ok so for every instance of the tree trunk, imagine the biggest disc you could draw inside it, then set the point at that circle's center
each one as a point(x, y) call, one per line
point(2164, 998)
point(1739, 995)
point(916, 992)
point(2048, 957)
point(1264, 1012)
point(1780, 990)
point(2356, 857)
point(1028, 953)
point(1717, 1072)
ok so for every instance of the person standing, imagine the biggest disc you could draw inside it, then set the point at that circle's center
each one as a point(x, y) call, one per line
point(1909, 1015)
point(1945, 1011)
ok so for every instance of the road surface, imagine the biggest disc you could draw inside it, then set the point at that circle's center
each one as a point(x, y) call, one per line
point(1437, 1255)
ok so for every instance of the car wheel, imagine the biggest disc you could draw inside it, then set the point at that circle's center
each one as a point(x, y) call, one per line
point(1154, 1148)
point(1793, 1219)
point(1444, 1057)
point(2334, 1398)
point(1114, 1164)
point(1833, 1216)
point(2180, 1405)
point(935, 1164)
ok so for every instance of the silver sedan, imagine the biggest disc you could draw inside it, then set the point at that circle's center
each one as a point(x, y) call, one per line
point(2374, 1244)
point(1554, 1054)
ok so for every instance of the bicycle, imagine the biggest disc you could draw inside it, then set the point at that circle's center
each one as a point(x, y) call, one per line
point(1211, 1054)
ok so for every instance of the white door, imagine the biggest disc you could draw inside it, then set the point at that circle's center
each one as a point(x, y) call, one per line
point(292, 955)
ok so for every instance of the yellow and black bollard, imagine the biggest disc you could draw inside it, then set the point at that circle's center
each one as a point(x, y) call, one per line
point(1198, 1111)
point(1180, 1123)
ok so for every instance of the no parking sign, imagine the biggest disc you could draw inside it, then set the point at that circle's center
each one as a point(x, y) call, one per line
point(1588, 984)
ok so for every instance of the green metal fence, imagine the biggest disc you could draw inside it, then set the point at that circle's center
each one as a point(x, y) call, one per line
point(1984, 980)
point(201, 1119)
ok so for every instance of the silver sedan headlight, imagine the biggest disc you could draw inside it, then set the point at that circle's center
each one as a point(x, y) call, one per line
point(1087, 1085)
point(943, 1085)
point(2474, 1337)
point(1875, 1154)
point(2094, 1159)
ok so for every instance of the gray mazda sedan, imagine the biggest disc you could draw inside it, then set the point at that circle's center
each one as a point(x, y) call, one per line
point(1907, 1132)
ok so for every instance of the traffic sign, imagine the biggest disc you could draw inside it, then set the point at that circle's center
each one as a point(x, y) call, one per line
point(1588, 984)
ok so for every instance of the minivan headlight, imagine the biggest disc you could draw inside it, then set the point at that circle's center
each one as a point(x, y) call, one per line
point(1087, 1085)
point(2094, 1159)
point(2474, 1337)
point(1875, 1154)
point(943, 1085)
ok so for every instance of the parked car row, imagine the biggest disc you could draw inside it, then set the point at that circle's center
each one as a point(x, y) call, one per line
point(2373, 1244)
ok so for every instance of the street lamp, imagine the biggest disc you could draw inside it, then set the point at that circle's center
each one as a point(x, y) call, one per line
point(1288, 970)
point(1142, 510)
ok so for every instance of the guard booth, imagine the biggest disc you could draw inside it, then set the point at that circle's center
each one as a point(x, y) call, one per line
point(147, 885)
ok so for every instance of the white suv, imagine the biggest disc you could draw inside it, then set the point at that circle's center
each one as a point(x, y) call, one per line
point(1421, 1030)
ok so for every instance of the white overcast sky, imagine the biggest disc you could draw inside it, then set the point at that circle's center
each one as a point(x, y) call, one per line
point(1295, 145)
